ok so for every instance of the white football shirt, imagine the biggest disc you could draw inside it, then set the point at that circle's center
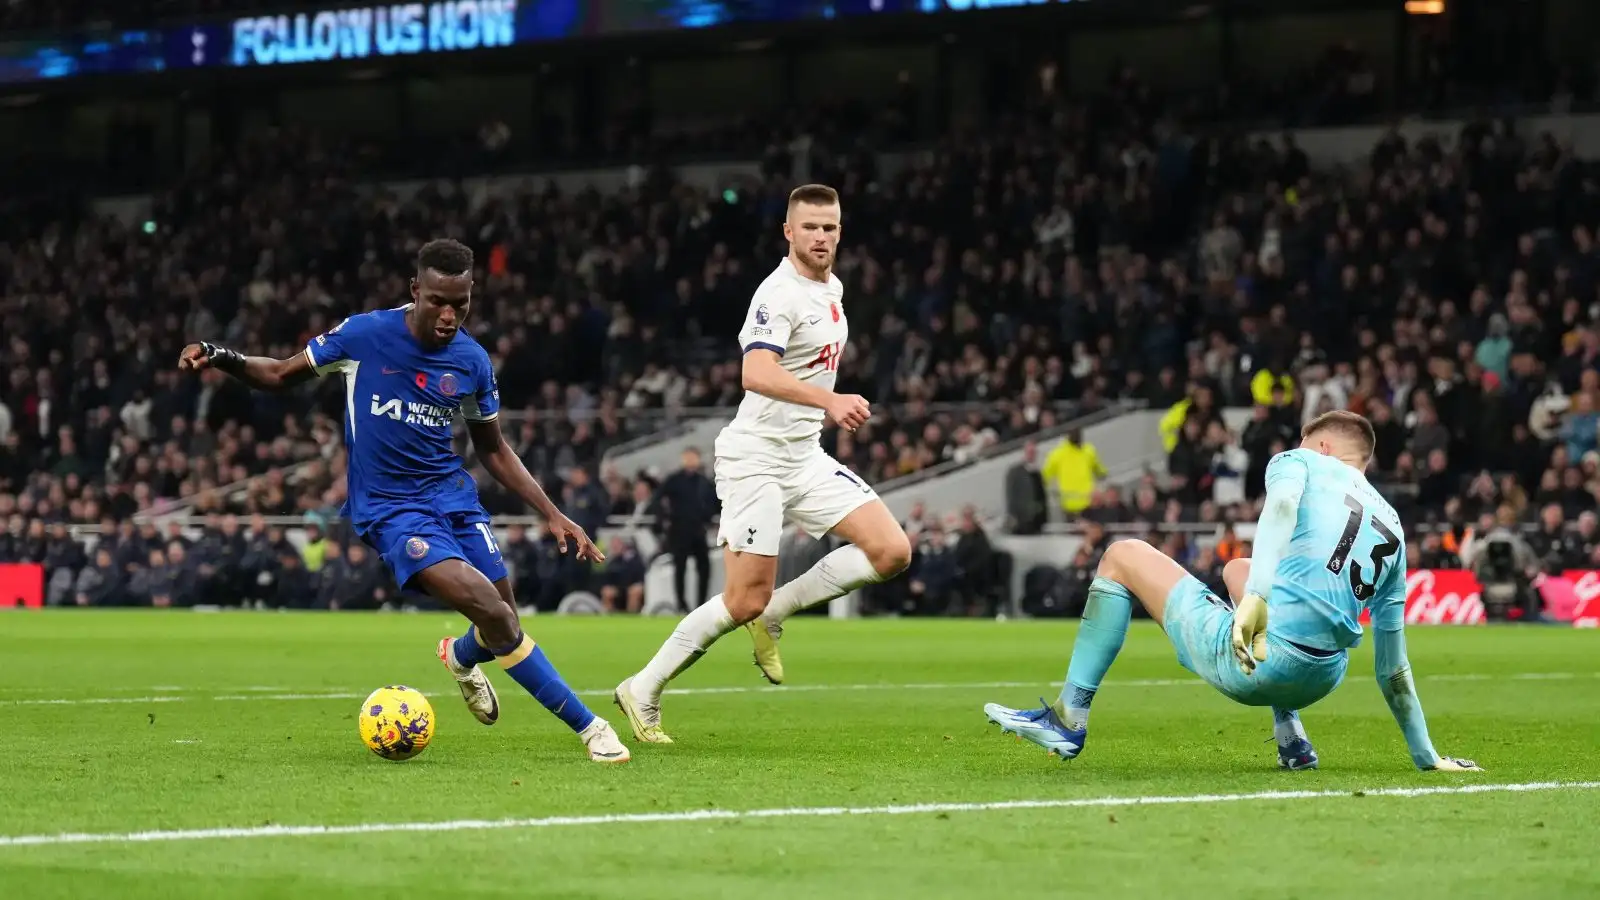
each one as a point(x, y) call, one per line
point(803, 322)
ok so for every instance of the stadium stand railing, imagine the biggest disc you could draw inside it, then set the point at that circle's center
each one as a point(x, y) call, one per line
point(233, 491)
point(980, 482)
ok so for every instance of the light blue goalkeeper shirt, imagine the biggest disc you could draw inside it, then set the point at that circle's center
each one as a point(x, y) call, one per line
point(1326, 547)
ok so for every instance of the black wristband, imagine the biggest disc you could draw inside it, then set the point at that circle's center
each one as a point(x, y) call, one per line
point(222, 359)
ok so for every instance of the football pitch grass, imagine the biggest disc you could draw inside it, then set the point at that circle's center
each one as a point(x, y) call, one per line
point(182, 755)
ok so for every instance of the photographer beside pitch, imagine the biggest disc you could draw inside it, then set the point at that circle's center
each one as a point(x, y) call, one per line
point(1326, 546)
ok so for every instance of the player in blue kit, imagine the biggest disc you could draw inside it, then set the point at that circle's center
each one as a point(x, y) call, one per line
point(407, 372)
point(1326, 546)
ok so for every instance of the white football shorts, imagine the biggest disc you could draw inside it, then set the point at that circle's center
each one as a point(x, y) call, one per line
point(763, 484)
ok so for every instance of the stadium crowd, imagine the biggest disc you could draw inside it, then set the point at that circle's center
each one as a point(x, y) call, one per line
point(1449, 295)
point(998, 284)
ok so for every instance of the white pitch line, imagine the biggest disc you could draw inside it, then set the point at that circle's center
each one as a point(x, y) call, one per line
point(165, 698)
point(703, 815)
point(605, 692)
point(762, 689)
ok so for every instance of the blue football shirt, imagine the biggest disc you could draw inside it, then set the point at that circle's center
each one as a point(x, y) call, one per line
point(1347, 553)
point(400, 398)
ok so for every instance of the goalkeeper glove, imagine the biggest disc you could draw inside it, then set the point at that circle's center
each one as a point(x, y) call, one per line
point(1250, 632)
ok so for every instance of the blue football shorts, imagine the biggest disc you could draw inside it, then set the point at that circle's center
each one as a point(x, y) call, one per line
point(413, 536)
point(1200, 626)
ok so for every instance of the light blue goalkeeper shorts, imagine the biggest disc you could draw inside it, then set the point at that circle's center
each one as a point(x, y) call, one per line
point(1200, 626)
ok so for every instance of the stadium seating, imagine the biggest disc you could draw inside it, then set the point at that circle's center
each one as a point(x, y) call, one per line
point(1001, 283)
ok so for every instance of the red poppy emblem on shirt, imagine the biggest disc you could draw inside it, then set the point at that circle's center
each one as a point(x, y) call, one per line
point(834, 308)
point(422, 381)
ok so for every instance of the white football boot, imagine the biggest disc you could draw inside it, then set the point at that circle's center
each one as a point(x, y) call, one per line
point(475, 687)
point(643, 716)
point(603, 744)
point(765, 634)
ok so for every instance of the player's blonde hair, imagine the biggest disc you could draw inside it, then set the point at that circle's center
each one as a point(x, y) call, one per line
point(813, 194)
point(1344, 423)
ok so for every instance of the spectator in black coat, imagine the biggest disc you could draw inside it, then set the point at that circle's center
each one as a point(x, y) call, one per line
point(622, 578)
point(584, 501)
point(521, 557)
point(329, 576)
point(687, 504)
point(353, 579)
point(1557, 547)
point(1259, 436)
point(64, 557)
point(179, 580)
point(147, 586)
point(1436, 485)
point(11, 540)
point(976, 567)
point(932, 576)
point(294, 587)
point(102, 582)
point(1027, 503)
point(34, 543)
point(559, 574)
point(127, 549)
point(216, 558)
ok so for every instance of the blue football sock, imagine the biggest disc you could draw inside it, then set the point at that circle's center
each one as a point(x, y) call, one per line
point(469, 650)
point(528, 666)
point(1100, 636)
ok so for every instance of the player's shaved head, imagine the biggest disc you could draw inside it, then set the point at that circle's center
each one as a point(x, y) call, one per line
point(1340, 433)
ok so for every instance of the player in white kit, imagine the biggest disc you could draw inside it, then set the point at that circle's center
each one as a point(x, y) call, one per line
point(770, 468)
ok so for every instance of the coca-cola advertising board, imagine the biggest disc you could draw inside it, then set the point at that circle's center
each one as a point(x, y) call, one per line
point(1454, 597)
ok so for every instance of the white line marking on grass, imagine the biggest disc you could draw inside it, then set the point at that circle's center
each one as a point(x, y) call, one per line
point(815, 688)
point(703, 815)
point(605, 692)
point(759, 689)
point(157, 688)
point(1515, 676)
point(165, 698)
point(335, 695)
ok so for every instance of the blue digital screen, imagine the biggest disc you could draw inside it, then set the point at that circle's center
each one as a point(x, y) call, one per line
point(365, 32)
point(411, 29)
point(198, 46)
point(619, 16)
point(22, 62)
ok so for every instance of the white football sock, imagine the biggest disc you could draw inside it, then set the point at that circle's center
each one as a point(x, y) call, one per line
point(684, 647)
point(835, 575)
point(1286, 726)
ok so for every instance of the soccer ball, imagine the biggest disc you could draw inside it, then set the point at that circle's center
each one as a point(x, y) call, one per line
point(396, 722)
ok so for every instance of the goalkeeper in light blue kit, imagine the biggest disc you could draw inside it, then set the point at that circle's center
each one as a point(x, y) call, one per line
point(1326, 545)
